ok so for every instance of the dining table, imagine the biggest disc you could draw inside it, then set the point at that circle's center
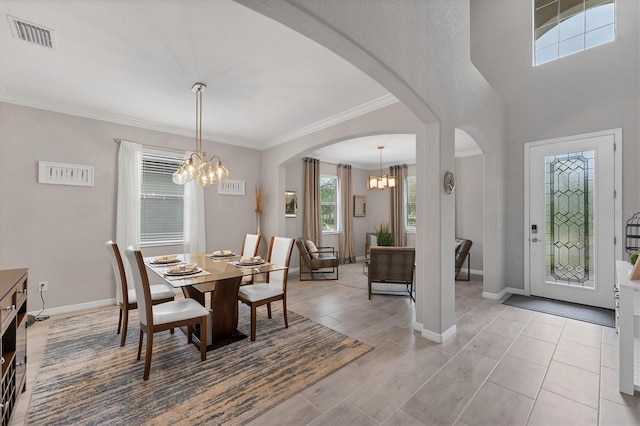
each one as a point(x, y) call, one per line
point(220, 277)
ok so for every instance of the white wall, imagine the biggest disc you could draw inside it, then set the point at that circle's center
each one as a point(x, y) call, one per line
point(58, 231)
point(594, 90)
point(469, 194)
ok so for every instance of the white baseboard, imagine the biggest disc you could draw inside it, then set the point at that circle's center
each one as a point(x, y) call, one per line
point(503, 293)
point(74, 308)
point(431, 335)
point(477, 272)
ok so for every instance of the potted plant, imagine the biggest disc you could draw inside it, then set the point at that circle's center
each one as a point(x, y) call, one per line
point(633, 257)
point(384, 236)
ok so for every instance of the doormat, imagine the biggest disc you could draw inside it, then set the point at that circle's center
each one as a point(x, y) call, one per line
point(600, 316)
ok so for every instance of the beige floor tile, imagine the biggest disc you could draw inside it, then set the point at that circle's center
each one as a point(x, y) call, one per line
point(549, 319)
point(400, 418)
point(578, 355)
point(519, 375)
point(505, 327)
point(574, 383)
point(384, 355)
point(534, 350)
point(472, 324)
point(543, 331)
point(610, 356)
point(439, 401)
point(336, 387)
point(584, 335)
point(610, 389)
point(617, 415)
point(469, 367)
point(517, 314)
point(609, 336)
point(422, 363)
point(295, 410)
point(495, 405)
point(490, 345)
point(343, 414)
point(453, 344)
point(551, 409)
point(376, 399)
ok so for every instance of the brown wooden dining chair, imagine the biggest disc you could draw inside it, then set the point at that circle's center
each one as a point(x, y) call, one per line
point(275, 288)
point(126, 297)
point(164, 316)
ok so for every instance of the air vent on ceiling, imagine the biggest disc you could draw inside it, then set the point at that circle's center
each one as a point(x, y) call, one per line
point(31, 33)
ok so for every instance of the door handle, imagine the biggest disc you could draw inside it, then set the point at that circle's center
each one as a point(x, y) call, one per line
point(534, 240)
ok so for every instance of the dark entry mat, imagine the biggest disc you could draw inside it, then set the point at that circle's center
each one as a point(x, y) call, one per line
point(574, 311)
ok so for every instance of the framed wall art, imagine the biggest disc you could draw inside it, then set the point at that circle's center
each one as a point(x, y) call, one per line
point(290, 204)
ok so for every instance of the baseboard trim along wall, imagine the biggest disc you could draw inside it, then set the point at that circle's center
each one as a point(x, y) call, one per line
point(433, 336)
point(503, 293)
point(74, 308)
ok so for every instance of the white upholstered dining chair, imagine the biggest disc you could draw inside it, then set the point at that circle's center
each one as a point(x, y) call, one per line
point(164, 316)
point(250, 249)
point(126, 297)
point(275, 288)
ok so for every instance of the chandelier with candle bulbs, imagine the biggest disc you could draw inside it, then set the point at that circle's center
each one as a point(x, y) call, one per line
point(197, 167)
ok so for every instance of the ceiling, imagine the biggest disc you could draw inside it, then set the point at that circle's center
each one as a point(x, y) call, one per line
point(134, 62)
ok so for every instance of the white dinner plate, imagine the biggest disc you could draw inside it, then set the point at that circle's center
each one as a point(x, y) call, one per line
point(179, 273)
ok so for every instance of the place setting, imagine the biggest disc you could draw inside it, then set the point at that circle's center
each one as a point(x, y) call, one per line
point(221, 254)
point(168, 259)
point(184, 271)
point(248, 261)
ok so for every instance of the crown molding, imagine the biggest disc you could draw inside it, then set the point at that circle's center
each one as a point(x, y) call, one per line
point(349, 114)
point(119, 119)
point(468, 153)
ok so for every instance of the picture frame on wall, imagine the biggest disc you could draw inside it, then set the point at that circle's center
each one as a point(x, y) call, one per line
point(290, 204)
point(359, 206)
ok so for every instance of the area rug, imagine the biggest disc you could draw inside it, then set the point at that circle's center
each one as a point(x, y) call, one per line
point(574, 311)
point(87, 378)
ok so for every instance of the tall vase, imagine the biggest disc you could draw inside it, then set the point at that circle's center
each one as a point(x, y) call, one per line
point(258, 228)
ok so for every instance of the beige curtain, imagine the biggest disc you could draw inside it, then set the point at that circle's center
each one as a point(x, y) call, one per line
point(397, 204)
point(346, 245)
point(312, 222)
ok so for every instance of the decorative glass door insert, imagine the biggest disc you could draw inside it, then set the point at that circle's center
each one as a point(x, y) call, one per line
point(569, 219)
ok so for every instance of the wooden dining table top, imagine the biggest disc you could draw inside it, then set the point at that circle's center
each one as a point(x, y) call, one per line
point(219, 268)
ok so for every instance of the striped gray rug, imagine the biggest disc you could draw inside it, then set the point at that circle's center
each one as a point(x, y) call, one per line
point(87, 378)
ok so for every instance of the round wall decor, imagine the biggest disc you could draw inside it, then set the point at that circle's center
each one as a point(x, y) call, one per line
point(449, 182)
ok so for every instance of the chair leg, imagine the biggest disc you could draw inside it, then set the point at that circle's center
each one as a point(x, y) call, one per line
point(119, 321)
point(284, 309)
point(140, 345)
point(125, 325)
point(147, 359)
point(253, 323)
point(269, 310)
point(203, 339)
point(189, 334)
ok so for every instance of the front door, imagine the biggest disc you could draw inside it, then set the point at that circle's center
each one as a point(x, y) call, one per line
point(571, 222)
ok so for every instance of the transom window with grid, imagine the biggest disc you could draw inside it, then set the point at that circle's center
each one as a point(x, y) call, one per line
point(563, 27)
point(161, 201)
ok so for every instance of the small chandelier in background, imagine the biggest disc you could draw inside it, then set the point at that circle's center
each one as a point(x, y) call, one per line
point(197, 167)
point(382, 181)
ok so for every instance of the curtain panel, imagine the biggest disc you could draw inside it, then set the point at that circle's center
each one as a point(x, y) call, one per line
point(311, 220)
point(128, 202)
point(397, 204)
point(346, 245)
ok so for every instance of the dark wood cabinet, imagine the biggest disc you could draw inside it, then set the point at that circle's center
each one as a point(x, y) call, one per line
point(13, 346)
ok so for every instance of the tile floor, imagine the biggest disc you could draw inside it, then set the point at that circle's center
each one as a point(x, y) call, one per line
point(505, 366)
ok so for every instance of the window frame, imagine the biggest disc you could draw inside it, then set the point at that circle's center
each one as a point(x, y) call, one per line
point(407, 204)
point(170, 158)
point(335, 203)
point(563, 17)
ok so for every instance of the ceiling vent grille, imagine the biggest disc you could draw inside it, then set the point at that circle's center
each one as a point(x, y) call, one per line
point(31, 33)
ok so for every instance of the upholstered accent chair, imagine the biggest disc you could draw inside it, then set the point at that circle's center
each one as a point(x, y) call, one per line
point(391, 265)
point(317, 262)
point(463, 254)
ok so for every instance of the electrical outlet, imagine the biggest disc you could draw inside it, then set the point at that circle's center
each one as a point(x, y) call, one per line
point(43, 286)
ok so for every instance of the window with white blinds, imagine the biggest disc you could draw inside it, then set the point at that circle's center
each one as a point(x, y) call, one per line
point(161, 201)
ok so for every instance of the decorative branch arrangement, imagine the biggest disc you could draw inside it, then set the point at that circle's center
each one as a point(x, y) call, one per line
point(259, 200)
